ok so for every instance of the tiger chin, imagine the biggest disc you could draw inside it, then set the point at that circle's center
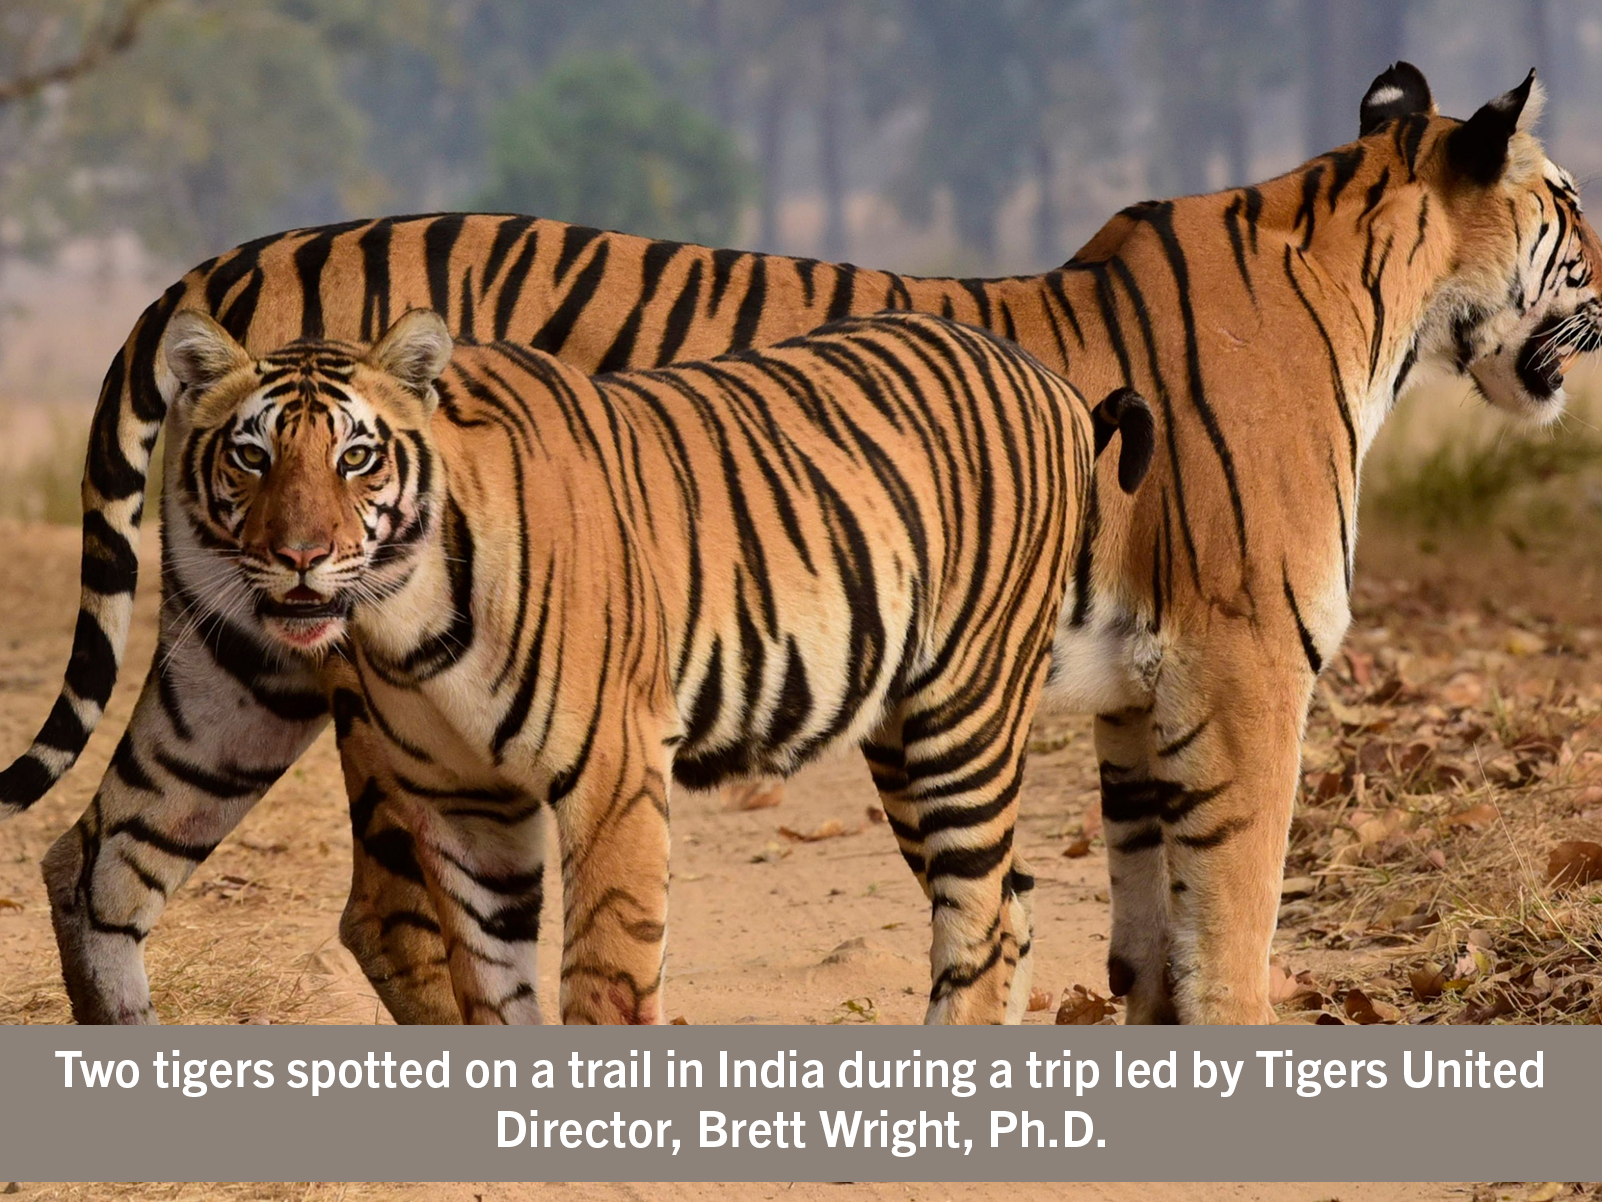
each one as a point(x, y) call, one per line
point(549, 591)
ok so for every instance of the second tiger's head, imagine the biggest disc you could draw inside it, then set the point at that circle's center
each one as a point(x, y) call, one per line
point(305, 478)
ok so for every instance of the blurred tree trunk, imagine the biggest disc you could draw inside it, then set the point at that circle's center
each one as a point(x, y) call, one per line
point(831, 151)
point(715, 27)
point(1047, 247)
point(770, 161)
point(1237, 136)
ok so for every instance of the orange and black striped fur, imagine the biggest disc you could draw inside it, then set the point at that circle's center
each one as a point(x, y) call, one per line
point(523, 587)
point(1271, 326)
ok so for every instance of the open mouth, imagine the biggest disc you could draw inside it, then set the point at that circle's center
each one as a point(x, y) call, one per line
point(303, 618)
point(1550, 349)
point(302, 603)
point(1540, 367)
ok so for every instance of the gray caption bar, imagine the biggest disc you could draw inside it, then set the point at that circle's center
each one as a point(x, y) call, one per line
point(800, 1103)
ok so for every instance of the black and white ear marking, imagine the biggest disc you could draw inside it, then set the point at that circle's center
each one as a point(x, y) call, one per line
point(199, 351)
point(1478, 147)
point(1398, 91)
point(414, 350)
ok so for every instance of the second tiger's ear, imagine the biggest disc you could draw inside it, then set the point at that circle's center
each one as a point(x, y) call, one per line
point(414, 350)
point(1398, 91)
point(1478, 147)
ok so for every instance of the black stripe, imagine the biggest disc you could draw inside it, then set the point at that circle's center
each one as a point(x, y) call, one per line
point(438, 241)
point(92, 670)
point(553, 334)
point(506, 236)
point(311, 256)
point(679, 317)
point(512, 286)
point(137, 829)
point(1232, 225)
point(621, 353)
point(1314, 660)
point(750, 311)
point(574, 239)
point(374, 245)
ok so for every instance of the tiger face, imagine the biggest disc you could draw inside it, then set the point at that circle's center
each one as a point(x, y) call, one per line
point(1520, 296)
point(305, 477)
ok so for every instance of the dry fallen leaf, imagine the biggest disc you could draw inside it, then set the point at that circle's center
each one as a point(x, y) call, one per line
point(876, 815)
point(1475, 817)
point(1577, 862)
point(754, 795)
point(1464, 690)
point(1523, 642)
point(1428, 980)
point(680, 1021)
point(1039, 998)
point(1079, 847)
point(7, 903)
point(1083, 1007)
point(830, 828)
point(1384, 825)
point(1364, 1010)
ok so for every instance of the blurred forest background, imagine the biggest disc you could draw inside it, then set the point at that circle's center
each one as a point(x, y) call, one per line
point(934, 136)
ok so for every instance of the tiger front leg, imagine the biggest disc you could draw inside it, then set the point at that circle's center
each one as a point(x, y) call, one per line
point(180, 781)
point(480, 851)
point(390, 924)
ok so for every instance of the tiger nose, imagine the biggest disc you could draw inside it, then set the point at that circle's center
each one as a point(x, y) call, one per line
point(303, 557)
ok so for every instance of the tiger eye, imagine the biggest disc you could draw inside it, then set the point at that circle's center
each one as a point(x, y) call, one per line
point(355, 458)
point(251, 457)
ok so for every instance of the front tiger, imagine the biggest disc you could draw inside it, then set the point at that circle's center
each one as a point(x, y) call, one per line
point(521, 587)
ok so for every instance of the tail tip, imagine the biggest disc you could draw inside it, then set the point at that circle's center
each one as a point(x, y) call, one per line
point(27, 780)
point(1124, 411)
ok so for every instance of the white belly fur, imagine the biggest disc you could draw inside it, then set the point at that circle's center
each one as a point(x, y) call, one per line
point(1107, 664)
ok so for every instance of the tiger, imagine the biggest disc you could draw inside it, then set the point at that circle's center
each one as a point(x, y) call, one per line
point(525, 589)
point(1272, 327)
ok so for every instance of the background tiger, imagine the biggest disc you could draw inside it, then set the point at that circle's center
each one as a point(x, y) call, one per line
point(540, 589)
point(1272, 326)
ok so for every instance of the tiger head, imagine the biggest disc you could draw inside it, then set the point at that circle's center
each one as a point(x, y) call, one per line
point(306, 477)
point(1519, 295)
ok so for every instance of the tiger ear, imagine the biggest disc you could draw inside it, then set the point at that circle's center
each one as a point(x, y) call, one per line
point(1478, 147)
point(199, 351)
point(1398, 91)
point(414, 350)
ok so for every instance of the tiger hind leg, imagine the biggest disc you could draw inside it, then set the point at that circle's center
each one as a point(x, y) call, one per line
point(1132, 799)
